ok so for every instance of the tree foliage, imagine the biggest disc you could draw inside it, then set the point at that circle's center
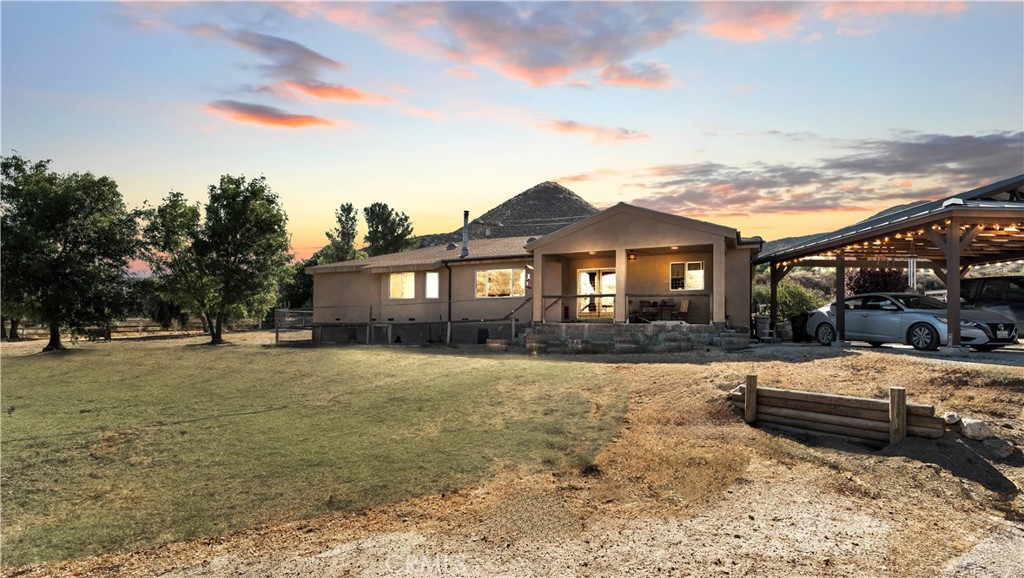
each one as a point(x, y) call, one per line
point(224, 261)
point(792, 299)
point(67, 243)
point(866, 280)
point(387, 230)
point(341, 244)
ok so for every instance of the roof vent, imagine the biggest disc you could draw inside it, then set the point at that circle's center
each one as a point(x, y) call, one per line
point(451, 246)
point(953, 201)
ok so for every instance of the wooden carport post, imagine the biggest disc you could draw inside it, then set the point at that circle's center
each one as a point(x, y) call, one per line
point(840, 296)
point(952, 246)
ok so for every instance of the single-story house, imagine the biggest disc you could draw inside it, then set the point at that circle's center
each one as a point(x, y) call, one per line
point(622, 265)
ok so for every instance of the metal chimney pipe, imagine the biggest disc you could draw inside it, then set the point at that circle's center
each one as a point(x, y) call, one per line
point(465, 235)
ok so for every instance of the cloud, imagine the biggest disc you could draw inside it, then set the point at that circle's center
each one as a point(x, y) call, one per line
point(600, 134)
point(288, 59)
point(964, 159)
point(641, 74)
point(752, 22)
point(264, 115)
point(906, 168)
point(865, 18)
point(542, 43)
point(336, 92)
point(462, 72)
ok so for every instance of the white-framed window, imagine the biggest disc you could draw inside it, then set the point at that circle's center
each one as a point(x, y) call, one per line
point(686, 276)
point(402, 285)
point(501, 283)
point(433, 285)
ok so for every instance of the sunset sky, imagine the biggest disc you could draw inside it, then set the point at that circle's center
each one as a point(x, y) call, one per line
point(779, 119)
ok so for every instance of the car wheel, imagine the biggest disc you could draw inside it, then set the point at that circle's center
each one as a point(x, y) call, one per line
point(825, 334)
point(875, 343)
point(923, 337)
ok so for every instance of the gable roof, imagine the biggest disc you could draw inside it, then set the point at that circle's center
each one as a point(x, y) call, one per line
point(430, 258)
point(641, 212)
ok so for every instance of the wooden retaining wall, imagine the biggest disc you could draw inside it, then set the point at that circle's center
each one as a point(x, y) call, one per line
point(873, 421)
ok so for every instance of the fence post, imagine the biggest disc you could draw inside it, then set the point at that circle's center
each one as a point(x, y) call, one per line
point(750, 400)
point(389, 334)
point(897, 414)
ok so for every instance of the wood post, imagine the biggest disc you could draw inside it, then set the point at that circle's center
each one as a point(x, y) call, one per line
point(750, 400)
point(897, 414)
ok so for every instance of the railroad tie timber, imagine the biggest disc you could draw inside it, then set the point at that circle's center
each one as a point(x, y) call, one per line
point(872, 421)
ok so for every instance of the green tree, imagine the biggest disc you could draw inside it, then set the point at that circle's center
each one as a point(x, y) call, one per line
point(387, 230)
point(229, 263)
point(342, 239)
point(67, 243)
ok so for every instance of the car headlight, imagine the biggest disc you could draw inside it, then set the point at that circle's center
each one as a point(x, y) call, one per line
point(942, 319)
point(973, 324)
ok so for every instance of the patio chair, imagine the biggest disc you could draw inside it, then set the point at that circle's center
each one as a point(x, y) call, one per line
point(684, 308)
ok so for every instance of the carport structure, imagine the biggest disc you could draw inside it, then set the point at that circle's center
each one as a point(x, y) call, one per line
point(948, 236)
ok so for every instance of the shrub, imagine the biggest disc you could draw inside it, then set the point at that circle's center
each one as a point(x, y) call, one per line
point(793, 299)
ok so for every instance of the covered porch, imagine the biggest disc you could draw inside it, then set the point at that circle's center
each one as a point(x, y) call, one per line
point(631, 285)
point(629, 264)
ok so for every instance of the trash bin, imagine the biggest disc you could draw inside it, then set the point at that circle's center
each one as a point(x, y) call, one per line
point(799, 323)
point(761, 324)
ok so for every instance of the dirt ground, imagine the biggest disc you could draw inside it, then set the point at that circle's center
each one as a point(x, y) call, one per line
point(688, 489)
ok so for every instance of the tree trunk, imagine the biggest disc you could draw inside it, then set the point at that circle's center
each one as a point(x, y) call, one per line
point(54, 344)
point(14, 334)
point(3, 328)
point(216, 327)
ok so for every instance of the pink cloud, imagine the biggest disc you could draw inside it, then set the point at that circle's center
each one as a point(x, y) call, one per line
point(336, 92)
point(600, 134)
point(641, 74)
point(855, 9)
point(750, 22)
point(538, 43)
point(264, 115)
point(462, 72)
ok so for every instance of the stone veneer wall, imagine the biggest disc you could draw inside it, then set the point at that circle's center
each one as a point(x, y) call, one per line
point(633, 337)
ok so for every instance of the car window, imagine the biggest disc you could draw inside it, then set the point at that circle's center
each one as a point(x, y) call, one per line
point(1014, 289)
point(875, 303)
point(857, 303)
point(919, 302)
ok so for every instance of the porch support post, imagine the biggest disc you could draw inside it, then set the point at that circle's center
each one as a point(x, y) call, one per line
point(718, 283)
point(538, 288)
point(621, 304)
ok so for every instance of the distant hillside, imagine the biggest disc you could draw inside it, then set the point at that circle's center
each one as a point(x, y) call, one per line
point(537, 211)
point(789, 242)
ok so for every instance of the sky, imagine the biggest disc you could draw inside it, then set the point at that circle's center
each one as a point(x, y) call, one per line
point(776, 118)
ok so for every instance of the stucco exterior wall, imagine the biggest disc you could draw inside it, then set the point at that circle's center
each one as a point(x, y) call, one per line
point(351, 297)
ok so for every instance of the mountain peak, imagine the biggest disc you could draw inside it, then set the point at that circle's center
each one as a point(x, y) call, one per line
point(539, 210)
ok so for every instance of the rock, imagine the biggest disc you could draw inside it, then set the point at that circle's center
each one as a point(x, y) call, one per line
point(974, 429)
point(951, 417)
point(999, 448)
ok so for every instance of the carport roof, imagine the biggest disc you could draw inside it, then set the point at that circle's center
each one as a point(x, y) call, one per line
point(903, 233)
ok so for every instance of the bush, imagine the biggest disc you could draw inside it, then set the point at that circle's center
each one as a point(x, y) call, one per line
point(793, 299)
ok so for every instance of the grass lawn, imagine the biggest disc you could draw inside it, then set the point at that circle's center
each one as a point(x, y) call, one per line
point(137, 443)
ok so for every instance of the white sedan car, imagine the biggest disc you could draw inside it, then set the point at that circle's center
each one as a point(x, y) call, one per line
point(910, 319)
